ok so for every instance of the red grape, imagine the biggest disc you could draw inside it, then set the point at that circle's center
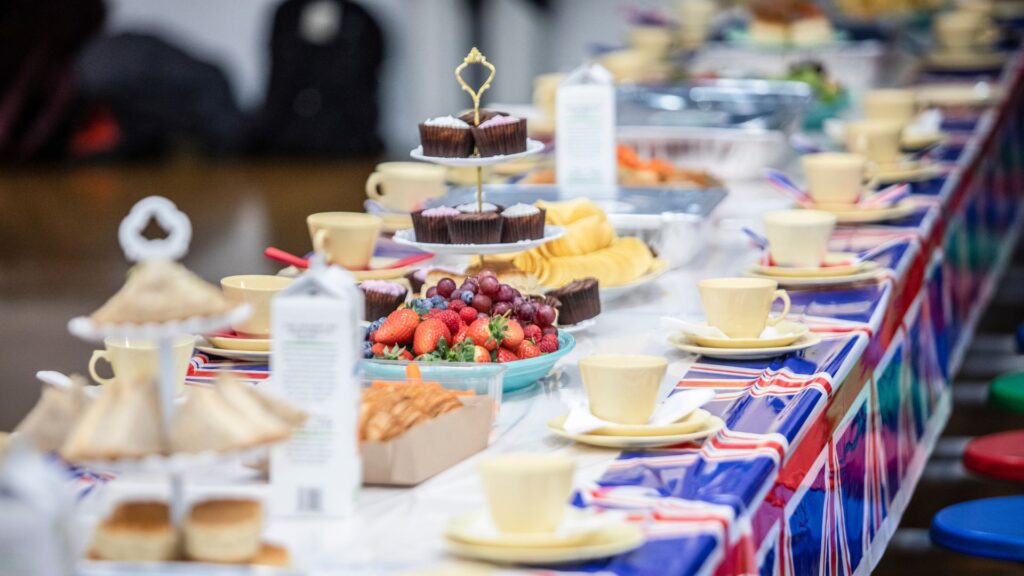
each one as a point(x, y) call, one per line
point(545, 315)
point(501, 308)
point(486, 273)
point(445, 287)
point(489, 285)
point(482, 302)
point(549, 330)
point(482, 315)
point(526, 311)
point(505, 293)
point(468, 286)
point(432, 291)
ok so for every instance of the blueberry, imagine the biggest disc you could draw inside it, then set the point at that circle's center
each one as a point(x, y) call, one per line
point(467, 297)
point(437, 301)
point(367, 350)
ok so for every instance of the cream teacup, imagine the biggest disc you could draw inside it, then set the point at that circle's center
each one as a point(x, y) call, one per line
point(876, 140)
point(835, 178)
point(964, 29)
point(135, 361)
point(623, 388)
point(891, 104)
point(798, 237)
point(527, 493)
point(256, 290)
point(740, 307)
point(345, 238)
point(405, 186)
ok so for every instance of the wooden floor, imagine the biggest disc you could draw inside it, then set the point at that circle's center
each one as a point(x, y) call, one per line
point(59, 258)
point(59, 255)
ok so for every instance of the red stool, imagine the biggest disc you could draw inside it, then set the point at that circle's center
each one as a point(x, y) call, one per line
point(997, 455)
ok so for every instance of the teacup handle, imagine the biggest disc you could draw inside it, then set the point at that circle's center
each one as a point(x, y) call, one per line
point(373, 186)
point(785, 307)
point(873, 176)
point(320, 241)
point(96, 356)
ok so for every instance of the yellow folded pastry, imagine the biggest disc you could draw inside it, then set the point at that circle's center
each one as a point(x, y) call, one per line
point(224, 531)
point(568, 211)
point(50, 421)
point(161, 291)
point(123, 422)
point(136, 532)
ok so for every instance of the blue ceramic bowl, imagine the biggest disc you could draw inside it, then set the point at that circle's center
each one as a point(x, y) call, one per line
point(518, 374)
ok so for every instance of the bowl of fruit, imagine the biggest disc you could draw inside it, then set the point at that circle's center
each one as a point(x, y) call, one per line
point(480, 321)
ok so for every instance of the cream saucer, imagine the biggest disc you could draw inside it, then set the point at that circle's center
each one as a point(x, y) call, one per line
point(965, 61)
point(713, 424)
point(898, 172)
point(233, 341)
point(871, 215)
point(809, 281)
point(693, 422)
point(477, 528)
point(788, 332)
point(837, 264)
point(916, 142)
point(245, 355)
point(684, 343)
point(380, 270)
point(611, 540)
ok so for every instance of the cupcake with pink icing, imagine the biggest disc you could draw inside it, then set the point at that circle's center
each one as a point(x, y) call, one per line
point(446, 137)
point(381, 298)
point(522, 222)
point(431, 224)
point(500, 135)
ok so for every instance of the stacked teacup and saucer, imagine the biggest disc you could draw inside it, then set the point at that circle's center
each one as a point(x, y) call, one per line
point(627, 406)
point(739, 324)
point(528, 519)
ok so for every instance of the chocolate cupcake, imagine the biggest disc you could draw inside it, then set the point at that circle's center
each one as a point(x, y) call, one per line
point(446, 137)
point(417, 278)
point(580, 300)
point(431, 225)
point(475, 228)
point(500, 136)
point(522, 222)
point(485, 115)
point(381, 298)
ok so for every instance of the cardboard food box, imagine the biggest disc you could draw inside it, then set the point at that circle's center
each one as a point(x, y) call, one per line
point(431, 447)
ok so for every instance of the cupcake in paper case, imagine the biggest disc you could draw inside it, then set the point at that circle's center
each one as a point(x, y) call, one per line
point(579, 300)
point(501, 136)
point(485, 115)
point(431, 225)
point(446, 137)
point(522, 222)
point(417, 278)
point(381, 298)
point(475, 228)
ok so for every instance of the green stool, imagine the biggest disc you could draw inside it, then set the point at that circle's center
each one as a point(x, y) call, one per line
point(1007, 392)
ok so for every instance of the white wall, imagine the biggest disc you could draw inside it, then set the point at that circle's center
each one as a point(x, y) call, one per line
point(426, 40)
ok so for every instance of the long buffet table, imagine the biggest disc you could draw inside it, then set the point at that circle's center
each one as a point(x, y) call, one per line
point(822, 449)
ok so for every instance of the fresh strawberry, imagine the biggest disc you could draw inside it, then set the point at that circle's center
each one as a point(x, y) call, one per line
point(506, 355)
point(468, 314)
point(450, 319)
point(548, 345)
point(487, 332)
point(456, 305)
point(532, 332)
point(396, 353)
point(481, 355)
point(377, 349)
point(460, 335)
point(398, 328)
point(528, 350)
point(405, 355)
point(513, 335)
point(428, 333)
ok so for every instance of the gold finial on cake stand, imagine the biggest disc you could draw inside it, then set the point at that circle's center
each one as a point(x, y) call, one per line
point(476, 57)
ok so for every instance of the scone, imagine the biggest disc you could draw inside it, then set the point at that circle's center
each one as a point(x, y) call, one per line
point(136, 532)
point(225, 531)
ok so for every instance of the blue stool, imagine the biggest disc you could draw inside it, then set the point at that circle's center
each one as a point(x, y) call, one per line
point(990, 527)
